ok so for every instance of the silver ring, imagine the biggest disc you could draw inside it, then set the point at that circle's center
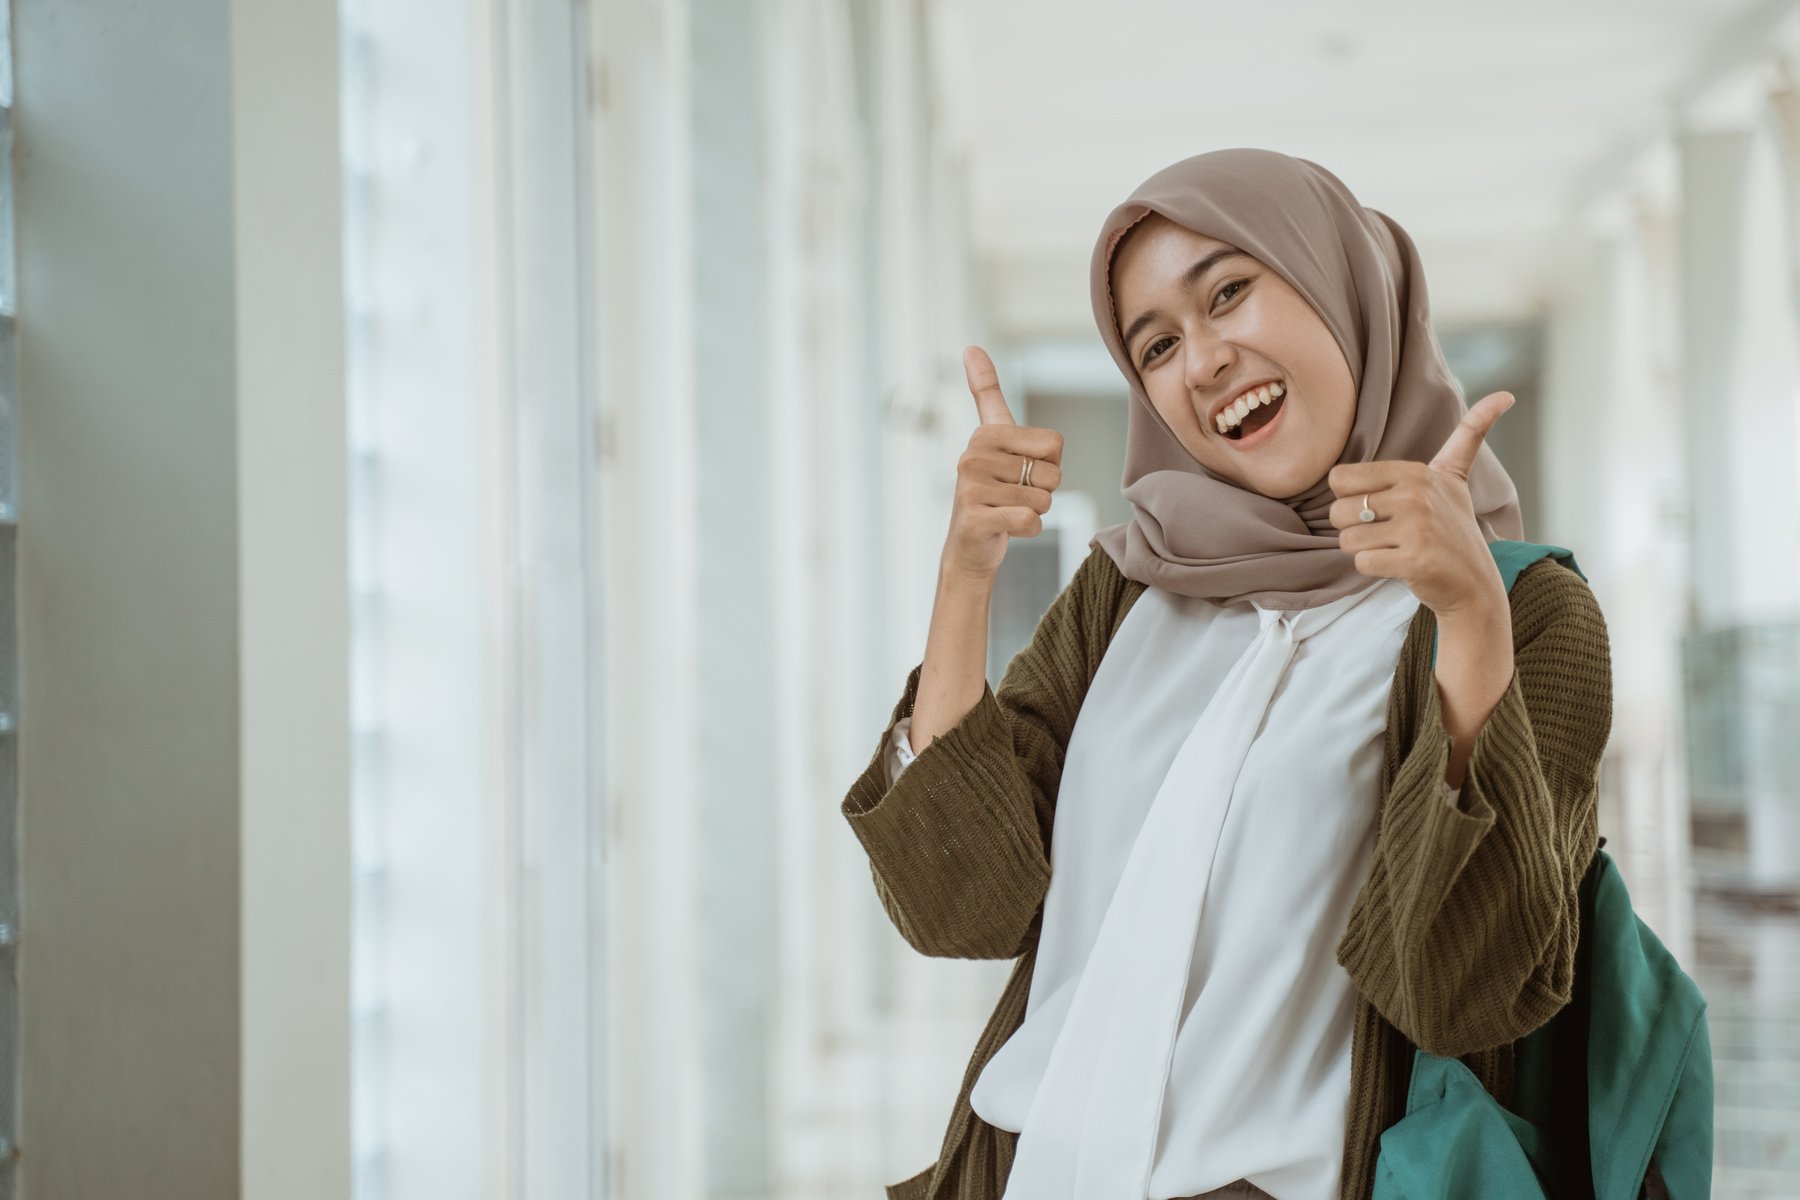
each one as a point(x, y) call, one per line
point(1367, 513)
point(1025, 473)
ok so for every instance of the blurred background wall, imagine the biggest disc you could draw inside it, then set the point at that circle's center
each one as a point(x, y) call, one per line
point(481, 473)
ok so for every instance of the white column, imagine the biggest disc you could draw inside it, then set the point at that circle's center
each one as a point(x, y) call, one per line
point(737, 844)
point(925, 314)
point(294, 635)
point(1651, 592)
point(1784, 117)
point(649, 576)
point(1712, 182)
point(1740, 380)
point(824, 512)
point(478, 1006)
point(1578, 369)
point(555, 1069)
point(434, 619)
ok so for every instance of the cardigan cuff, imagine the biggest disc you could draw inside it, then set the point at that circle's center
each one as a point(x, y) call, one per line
point(955, 839)
point(1409, 940)
point(1440, 825)
point(1427, 835)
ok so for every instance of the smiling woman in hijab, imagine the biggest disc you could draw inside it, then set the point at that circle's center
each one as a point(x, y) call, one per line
point(1287, 783)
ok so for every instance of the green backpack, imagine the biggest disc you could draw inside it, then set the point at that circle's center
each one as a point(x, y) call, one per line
point(1636, 1122)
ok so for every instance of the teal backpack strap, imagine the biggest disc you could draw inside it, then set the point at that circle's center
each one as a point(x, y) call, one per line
point(1512, 558)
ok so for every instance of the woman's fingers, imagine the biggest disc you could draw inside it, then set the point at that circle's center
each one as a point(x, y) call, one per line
point(1459, 450)
point(994, 500)
point(998, 431)
point(984, 382)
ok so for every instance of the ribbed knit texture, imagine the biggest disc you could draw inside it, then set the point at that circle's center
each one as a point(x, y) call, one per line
point(1461, 941)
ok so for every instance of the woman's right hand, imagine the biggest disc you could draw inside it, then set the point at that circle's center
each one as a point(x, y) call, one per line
point(991, 505)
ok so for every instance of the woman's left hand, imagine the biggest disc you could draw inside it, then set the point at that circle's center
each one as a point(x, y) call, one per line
point(1425, 530)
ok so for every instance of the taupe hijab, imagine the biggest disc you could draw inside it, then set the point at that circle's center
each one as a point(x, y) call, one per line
point(1200, 535)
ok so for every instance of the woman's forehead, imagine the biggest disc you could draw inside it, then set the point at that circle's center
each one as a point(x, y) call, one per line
point(1156, 227)
point(1170, 251)
point(1170, 245)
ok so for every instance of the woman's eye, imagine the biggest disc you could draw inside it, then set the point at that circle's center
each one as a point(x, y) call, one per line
point(1151, 351)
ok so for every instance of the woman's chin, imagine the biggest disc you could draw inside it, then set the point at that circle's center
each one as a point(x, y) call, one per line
point(1277, 479)
point(1287, 482)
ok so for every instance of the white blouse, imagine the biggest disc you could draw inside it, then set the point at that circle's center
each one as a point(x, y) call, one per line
point(1134, 1074)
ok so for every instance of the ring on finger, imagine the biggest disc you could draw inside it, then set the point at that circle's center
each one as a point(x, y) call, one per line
point(1025, 473)
point(1367, 514)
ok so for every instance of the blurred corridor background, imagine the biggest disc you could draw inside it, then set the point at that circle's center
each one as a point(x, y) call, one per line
point(472, 476)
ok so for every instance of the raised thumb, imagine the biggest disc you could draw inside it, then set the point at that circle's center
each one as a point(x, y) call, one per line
point(984, 383)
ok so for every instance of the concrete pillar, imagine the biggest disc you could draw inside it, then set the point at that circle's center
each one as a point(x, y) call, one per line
point(184, 959)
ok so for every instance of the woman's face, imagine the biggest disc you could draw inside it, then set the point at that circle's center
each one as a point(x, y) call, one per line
point(1200, 340)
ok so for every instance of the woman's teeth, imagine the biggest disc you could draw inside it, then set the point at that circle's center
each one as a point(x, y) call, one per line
point(1234, 414)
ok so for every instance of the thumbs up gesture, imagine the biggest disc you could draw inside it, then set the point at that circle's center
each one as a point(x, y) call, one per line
point(997, 498)
point(1424, 529)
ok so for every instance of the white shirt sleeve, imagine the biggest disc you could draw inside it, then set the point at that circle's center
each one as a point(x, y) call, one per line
point(899, 751)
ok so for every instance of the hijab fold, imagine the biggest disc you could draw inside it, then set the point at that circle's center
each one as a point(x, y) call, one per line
point(1198, 534)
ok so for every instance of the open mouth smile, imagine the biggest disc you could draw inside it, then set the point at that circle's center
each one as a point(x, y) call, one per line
point(1259, 425)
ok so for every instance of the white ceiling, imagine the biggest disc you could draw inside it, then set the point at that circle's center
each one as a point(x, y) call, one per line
point(1487, 131)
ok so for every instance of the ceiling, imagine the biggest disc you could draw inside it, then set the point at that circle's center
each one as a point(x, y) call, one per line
point(1490, 133)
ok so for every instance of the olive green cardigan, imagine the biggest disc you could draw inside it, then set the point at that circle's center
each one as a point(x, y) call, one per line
point(1461, 941)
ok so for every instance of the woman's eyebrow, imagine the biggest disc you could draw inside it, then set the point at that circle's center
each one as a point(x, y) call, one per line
point(1189, 278)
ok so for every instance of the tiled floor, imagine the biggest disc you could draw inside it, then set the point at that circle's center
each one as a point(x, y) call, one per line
point(1747, 961)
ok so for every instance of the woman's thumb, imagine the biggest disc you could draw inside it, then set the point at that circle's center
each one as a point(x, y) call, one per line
point(984, 382)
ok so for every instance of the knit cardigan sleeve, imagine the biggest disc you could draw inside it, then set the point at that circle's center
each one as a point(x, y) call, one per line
point(1464, 934)
point(959, 846)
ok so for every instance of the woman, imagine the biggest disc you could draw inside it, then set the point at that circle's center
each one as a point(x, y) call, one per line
point(1287, 783)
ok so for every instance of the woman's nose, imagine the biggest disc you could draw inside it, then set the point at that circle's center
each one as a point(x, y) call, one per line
point(1206, 362)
